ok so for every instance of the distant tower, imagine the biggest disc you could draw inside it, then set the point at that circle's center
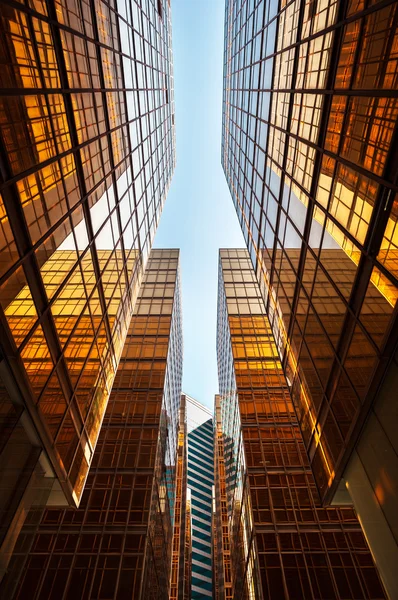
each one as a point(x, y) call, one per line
point(200, 484)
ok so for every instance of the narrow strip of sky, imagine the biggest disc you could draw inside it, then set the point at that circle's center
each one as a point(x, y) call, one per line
point(199, 216)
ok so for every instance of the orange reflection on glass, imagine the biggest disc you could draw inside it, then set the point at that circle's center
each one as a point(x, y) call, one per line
point(21, 315)
point(24, 61)
point(352, 201)
point(355, 6)
point(377, 62)
point(304, 399)
point(335, 123)
point(347, 54)
point(47, 53)
point(385, 286)
point(370, 126)
point(388, 256)
point(37, 360)
point(325, 181)
point(52, 405)
point(360, 361)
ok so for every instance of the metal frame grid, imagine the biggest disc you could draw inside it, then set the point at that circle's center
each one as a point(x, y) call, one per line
point(309, 150)
point(118, 543)
point(283, 543)
point(221, 537)
point(180, 581)
point(87, 152)
point(200, 482)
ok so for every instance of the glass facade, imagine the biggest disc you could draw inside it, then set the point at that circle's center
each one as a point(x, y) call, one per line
point(222, 576)
point(180, 585)
point(200, 483)
point(283, 542)
point(87, 153)
point(118, 543)
point(309, 151)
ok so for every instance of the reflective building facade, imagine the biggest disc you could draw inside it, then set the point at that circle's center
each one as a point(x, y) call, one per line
point(180, 585)
point(222, 575)
point(282, 542)
point(118, 543)
point(200, 484)
point(310, 155)
point(86, 156)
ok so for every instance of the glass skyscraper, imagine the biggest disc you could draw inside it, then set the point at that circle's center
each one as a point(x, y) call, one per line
point(309, 151)
point(280, 543)
point(222, 575)
point(87, 152)
point(200, 484)
point(180, 585)
point(118, 543)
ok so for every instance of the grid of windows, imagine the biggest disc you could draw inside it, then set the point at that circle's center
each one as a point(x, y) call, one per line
point(221, 534)
point(310, 109)
point(200, 472)
point(283, 543)
point(118, 543)
point(200, 482)
point(180, 583)
point(87, 153)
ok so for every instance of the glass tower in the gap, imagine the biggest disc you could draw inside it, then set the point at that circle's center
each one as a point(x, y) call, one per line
point(273, 538)
point(200, 483)
point(87, 152)
point(310, 154)
point(118, 543)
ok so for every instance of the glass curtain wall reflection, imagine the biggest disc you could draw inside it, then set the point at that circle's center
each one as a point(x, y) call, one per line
point(87, 152)
point(180, 586)
point(222, 576)
point(283, 542)
point(118, 543)
point(309, 151)
point(200, 483)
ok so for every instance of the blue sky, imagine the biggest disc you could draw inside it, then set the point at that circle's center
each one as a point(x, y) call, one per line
point(199, 217)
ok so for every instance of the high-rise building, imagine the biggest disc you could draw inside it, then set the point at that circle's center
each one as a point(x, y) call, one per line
point(118, 543)
point(283, 542)
point(180, 585)
point(86, 157)
point(200, 484)
point(309, 150)
point(222, 575)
